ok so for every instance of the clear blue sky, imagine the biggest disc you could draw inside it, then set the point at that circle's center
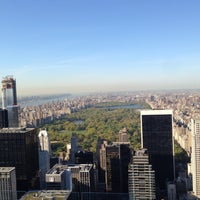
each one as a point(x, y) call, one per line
point(55, 46)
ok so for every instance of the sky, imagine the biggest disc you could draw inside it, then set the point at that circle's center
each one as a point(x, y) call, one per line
point(73, 46)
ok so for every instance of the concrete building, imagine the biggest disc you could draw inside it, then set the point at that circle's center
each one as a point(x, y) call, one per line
point(123, 136)
point(8, 189)
point(141, 177)
point(157, 138)
point(44, 156)
point(195, 157)
point(9, 100)
point(59, 178)
point(78, 178)
point(19, 149)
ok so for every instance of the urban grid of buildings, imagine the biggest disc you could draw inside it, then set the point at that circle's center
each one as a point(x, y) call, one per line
point(28, 170)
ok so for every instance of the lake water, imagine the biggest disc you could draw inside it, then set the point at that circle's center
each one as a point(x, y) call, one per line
point(132, 106)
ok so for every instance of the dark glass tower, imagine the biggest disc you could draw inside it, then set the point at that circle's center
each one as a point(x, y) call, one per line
point(156, 136)
point(115, 159)
point(19, 149)
point(3, 118)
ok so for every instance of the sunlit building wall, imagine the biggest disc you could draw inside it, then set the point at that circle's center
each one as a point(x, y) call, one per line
point(195, 157)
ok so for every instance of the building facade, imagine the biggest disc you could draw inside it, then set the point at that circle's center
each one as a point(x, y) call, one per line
point(157, 138)
point(114, 160)
point(76, 177)
point(8, 190)
point(141, 177)
point(3, 118)
point(195, 157)
point(44, 156)
point(19, 149)
point(123, 136)
point(9, 100)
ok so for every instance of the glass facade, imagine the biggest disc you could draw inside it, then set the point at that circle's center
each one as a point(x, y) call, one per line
point(19, 149)
point(156, 130)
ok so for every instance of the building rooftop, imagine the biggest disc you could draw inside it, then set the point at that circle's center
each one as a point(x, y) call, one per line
point(47, 194)
point(58, 169)
point(15, 130)
point(156, 112)
point(6, 169)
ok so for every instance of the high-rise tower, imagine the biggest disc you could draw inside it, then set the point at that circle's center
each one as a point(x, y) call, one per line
point(114, 160)
point(141, 177)
point(195, 157)
point(123, 136)
point(8, 190)
point(44, 155)
point(9, 100)
point(19, 149)
point(157, 138)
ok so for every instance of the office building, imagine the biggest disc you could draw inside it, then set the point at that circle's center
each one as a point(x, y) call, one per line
point(9, 100)
point(157, 138)
point(83, 157)
point(44, 156)
point(59, 178)
point(171, 191)
point(141, 177)
point(114, 160)
point(19, 149)
point(123, 136)
point(195, 157)
point(8, 190)
point(78, 178)
point(3, 118)
point(74, 148)
point(44, 141)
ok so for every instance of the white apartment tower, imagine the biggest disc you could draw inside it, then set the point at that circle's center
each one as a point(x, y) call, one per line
point(141, 177)
point(195, 157)
point(44, 141)
point(44, 155)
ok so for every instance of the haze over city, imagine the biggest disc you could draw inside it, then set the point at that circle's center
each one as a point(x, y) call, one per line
point(94, 46)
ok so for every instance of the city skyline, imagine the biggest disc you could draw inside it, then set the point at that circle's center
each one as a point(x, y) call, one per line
point(96, 46)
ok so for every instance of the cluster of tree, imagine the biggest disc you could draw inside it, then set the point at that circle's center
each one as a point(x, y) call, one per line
point(100, 121)
point(94, 122)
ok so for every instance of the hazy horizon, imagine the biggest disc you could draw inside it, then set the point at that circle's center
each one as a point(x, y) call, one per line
point(56, 47)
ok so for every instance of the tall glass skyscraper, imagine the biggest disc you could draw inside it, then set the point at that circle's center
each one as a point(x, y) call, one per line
point(19, 149)
point(157, 138)
point(9, 100)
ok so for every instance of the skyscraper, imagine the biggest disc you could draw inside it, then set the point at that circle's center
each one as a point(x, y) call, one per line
point(123, 136)
point(141, 177)
point(44, 156)
point(9, 100)
point(3, 118)
point(114, 160)
point(8, 190)
point(74, 147)
point(157, 138)
point(19, 149)
point(195, 157)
